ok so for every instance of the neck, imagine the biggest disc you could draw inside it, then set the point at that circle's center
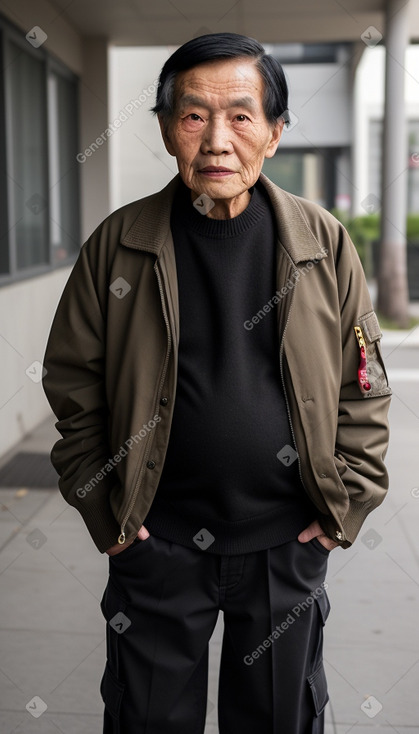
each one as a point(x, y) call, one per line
point(227, 208)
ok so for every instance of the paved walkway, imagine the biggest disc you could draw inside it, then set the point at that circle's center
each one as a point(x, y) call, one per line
point(52, 634)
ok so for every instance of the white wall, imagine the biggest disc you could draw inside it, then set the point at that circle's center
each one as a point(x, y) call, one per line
point(139, 162)
point(26, 312)
point(369, 105)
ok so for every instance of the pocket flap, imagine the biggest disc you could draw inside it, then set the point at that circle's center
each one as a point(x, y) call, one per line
point(324, 605)
point(318, 685)
point(370, 326)
point(374, 371)
point(111, 690)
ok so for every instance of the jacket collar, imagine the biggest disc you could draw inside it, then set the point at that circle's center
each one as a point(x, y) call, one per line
point(151, 227)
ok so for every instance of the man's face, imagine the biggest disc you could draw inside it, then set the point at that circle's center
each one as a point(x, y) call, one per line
point(219, 121)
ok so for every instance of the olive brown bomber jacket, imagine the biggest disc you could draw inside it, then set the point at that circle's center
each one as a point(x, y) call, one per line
point(111, 366)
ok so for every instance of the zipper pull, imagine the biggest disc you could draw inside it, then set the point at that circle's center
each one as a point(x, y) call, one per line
point(121, 539)
point(363, 381)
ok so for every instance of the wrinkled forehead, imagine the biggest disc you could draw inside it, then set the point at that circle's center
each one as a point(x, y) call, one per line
point(224, 83)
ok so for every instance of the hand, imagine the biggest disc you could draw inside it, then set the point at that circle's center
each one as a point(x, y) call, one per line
point(316, 531)
point(117, 548)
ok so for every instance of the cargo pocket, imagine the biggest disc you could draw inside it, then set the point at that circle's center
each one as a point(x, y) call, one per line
point(112, 602)
point(317, 678)
point(114, 609)
point(318, 686)
point(112, 690)
point(376, 372)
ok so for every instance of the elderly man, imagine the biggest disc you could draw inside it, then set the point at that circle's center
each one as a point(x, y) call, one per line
point(215, 368)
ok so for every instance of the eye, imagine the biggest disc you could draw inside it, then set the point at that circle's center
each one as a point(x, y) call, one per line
point(194, 116)
point(245, 117)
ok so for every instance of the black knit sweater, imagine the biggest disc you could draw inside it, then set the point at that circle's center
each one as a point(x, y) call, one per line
point(222, 472)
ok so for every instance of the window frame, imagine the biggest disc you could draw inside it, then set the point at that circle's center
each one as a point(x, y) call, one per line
point(51, 65)
point(330, 155)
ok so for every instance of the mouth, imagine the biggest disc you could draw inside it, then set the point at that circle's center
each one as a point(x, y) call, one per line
point(216, 171)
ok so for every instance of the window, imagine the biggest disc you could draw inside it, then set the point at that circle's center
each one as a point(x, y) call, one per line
point(309, 53)
point(26, 157)
point(39, 184)
point(63, 170)
point(314, 174)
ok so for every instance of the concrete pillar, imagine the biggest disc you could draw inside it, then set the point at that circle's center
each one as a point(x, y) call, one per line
point(392, 282)
point(94, 156)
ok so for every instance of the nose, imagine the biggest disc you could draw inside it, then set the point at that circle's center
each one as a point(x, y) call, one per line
point(216, 139)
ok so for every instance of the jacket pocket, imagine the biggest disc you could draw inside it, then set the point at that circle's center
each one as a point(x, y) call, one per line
point(376, 372)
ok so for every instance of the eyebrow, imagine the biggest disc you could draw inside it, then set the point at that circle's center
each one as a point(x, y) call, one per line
point(191, 99)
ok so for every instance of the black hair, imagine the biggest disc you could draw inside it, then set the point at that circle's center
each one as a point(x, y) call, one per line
point(214, 46)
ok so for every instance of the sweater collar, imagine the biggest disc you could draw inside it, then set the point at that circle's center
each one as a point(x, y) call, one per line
point(151, 229)
point(219, 229)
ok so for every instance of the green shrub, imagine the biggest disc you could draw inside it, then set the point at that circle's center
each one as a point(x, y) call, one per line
point(365, 230)
point(413, 227)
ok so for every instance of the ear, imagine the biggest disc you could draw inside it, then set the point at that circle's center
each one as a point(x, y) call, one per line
point(276, 134)
point(165, 135)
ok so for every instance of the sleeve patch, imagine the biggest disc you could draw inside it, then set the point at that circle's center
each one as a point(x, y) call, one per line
point(372, 377)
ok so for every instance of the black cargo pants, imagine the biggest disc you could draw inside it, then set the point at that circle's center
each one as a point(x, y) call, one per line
point(161, 605)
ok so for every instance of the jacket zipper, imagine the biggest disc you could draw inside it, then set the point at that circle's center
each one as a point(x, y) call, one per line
point(286, 400)
point(281, 349)
point(121, 538)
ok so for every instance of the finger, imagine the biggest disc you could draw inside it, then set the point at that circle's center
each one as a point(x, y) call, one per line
point(328, 543)
point(310, 532)
point(143, 533)
point(325, 542)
